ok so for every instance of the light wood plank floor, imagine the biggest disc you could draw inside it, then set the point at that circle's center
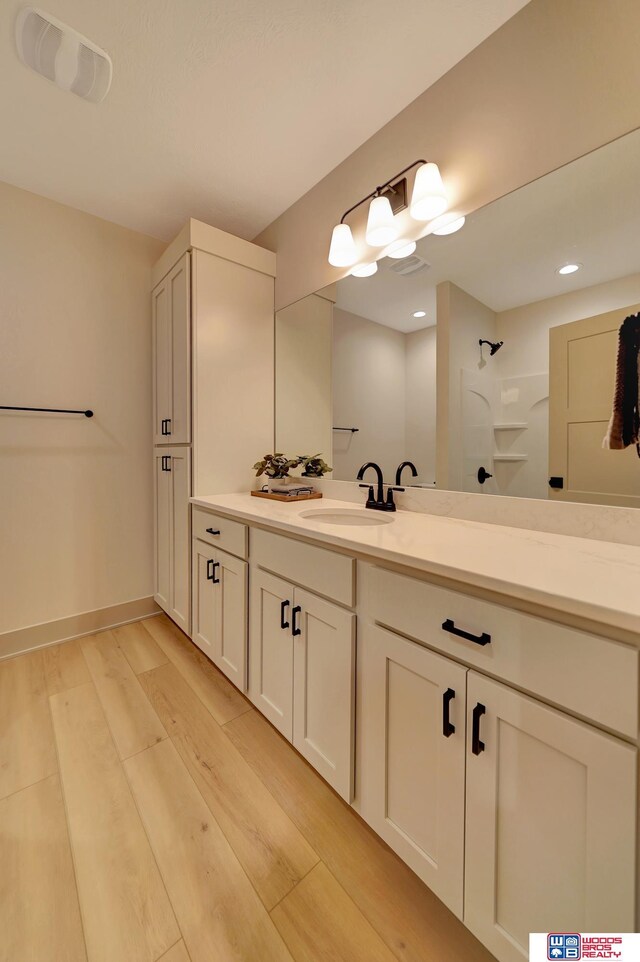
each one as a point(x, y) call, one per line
point(148, 813)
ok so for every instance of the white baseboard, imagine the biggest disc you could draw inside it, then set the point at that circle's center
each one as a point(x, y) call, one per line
point(64, 629)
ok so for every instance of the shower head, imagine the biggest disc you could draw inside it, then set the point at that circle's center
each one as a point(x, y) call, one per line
point(495, 346)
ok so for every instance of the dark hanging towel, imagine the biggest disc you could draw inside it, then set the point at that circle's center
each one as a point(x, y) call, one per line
point(624, 426)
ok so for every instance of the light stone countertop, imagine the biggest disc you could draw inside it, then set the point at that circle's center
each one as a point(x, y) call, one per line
point(594, 580)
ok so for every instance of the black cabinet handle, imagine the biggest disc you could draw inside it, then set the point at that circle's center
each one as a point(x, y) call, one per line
point(483, 639)
point(168, 431)
point(216, 565)
point(477, 745)
point(164, 428)
point(294, 621)
point(212, 531)
point(283, 607)
point(166, 462)
point(447, 728)
point(210, 569)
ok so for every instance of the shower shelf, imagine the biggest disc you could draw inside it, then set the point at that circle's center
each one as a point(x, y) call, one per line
point(510, 457)
point(513, 426)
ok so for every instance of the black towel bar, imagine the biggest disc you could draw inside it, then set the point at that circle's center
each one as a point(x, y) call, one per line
point(87, 414)
point(352, 430)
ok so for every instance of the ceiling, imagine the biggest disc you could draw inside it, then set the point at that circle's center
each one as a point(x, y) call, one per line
point(507, 254)
point(223, 110)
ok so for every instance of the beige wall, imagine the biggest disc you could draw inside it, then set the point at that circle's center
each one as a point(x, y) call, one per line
point(525, 330)
point(303, 415)
point(556, 81)
point(368, 393)
point(75, 494)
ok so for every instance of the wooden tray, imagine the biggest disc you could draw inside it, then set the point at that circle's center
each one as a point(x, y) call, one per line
point(286, 497)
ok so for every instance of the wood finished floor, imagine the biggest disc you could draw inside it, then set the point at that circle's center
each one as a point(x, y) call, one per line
point(148, 812)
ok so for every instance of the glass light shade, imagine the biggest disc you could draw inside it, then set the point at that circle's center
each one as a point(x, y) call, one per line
point(429, 199)
point(399, 248)
point(448, 224)
point(381, 226)
point(342, 252)
point(364, 270)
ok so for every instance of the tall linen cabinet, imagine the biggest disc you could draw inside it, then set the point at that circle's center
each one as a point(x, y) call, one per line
point(213, 385)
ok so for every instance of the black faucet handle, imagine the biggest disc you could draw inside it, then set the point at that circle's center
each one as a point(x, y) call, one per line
point(370, 497)
point(390, 504)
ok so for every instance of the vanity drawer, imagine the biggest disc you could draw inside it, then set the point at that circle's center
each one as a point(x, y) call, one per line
point(584, 673)
point(232, 536)
point(325, 572)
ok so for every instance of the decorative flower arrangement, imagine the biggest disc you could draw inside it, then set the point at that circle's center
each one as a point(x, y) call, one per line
point(314, 466)
point(277, 466)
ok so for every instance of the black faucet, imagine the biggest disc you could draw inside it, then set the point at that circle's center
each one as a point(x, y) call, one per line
point(378, 503)
point(401, 467)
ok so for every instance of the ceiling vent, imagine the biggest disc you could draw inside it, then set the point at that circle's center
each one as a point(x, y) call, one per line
point(409, 265)
point(62, 55)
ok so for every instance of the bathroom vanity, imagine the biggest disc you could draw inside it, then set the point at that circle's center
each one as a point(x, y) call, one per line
point(462, 685)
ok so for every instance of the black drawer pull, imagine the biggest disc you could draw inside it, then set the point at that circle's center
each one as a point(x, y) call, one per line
point(216, 565)
point(162, 426)
point(210, 569)
point(283, 607)
point(212, 531)
point(483, 639)
point(447, 728)
point(294, 621)
point(477, 745)
point(168, 431)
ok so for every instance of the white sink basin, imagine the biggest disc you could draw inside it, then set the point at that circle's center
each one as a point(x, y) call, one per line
point(350, 516)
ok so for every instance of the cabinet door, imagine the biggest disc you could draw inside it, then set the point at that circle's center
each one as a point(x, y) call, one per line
point(171, 326)
point(271, 649)
point(162, 498)
point(162, 337)
point(412, 764)
point(180, 606)
point(220, 610)
point(551, 823)
point(205, 620)
point(324, 688)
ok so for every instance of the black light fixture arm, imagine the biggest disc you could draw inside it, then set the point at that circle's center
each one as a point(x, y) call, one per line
point(379, 190)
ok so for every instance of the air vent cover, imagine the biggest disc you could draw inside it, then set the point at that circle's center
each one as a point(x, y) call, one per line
point(409, 265)
point(62, 55)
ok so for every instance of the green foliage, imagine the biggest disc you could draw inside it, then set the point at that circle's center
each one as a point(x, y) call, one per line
point(275, 466)
point(313, 466)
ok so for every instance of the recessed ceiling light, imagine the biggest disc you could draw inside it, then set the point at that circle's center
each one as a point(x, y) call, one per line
point(400, 248)
point(448, 224)
point(364, 270)
point(568, 268)
point(419, 314)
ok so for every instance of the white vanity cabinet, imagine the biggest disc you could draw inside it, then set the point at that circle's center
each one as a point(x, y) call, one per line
point(302, 652)
point(172, 486)
point(523, 818)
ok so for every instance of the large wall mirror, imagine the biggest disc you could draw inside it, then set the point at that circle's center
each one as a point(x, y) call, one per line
point(389, 368)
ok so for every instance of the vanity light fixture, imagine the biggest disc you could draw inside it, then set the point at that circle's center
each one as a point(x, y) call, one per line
point(419, 314)
point(568, 268)
point(449, 224)
point(399, 249)
point(364, 270)
point(428, 200)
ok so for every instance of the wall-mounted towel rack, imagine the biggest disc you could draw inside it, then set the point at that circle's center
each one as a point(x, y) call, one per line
point(87, 414)
point(352, 430)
